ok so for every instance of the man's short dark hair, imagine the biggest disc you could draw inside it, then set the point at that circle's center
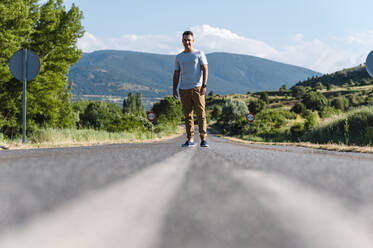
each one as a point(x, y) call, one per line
point(188, 33)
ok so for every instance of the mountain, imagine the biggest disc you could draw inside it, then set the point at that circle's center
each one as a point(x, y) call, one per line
point(357, 75)
point(116, 73)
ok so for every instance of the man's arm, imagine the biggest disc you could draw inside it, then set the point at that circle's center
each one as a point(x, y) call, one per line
point(205, 75)
point(176, 82)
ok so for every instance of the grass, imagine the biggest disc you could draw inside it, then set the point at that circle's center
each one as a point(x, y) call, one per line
point(352, 128)
point(51, 137)
point(328, 147)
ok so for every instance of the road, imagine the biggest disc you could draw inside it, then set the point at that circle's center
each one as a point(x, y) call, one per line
point(160, 195)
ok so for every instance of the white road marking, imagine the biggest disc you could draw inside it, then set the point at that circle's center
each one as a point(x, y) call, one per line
point(314, 218)
point(126, 214)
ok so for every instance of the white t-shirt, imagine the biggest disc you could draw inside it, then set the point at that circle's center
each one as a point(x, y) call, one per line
point(189, 65)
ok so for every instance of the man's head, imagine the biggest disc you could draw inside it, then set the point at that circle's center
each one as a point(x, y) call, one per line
point(188, 40)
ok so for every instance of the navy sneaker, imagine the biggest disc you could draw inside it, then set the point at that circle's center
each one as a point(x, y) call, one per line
point(204, 143)
point(188, 144)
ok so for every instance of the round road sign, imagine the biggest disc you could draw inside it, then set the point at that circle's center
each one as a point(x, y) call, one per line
point(369, 64)
point(250, 117)
point(19, 60)
point(152, 116)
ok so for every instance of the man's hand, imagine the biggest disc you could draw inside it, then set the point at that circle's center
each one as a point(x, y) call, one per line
point(203, 91)
point(175, 94)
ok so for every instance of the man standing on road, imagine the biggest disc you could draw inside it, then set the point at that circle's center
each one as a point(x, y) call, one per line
point(191, 65)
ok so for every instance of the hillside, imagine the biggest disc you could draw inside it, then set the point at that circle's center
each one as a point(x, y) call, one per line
point(116, 73)
point(352, 76)
point(339, 114)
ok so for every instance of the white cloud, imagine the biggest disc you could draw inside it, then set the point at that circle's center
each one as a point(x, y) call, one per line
point(317, 54)
point(212, 39)
point(208, 38)
point(325, 56)
point(364, 39)
point(132, 42)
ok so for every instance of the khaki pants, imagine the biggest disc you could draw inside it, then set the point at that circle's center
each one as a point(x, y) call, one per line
point(192, 99)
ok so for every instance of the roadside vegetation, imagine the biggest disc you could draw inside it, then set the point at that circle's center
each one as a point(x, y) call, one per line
point(102, 122)
point(339, 112)
point(52, 31)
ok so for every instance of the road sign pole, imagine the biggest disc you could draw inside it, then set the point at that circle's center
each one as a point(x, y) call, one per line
point(249, 130)
point(24, 95)
point(24, 65)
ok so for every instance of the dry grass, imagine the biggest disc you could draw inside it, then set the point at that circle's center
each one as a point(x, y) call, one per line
point(53, 138)
point(329, 147)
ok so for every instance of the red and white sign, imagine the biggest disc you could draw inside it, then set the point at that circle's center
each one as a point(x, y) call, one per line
point(250, 117)
point(151, 116)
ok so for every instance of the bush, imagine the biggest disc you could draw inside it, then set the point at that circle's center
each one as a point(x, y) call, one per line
point(338, 103)
point(288, 114)
point(315, 101)
point(216, 112)
point(164, 124)
point(99, 115)
point(299, 108)
point(311, 119)
point(234, 110)
point(264, 97)
point(329, 112)
point(268, 122)
point(355, 100)
point(257, 106)
point(319, 86)
point(297, 130)
point(369, 100)
point(128, 122)
point(298, 91)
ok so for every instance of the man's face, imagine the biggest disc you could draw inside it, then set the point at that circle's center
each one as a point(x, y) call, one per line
point(188, 41)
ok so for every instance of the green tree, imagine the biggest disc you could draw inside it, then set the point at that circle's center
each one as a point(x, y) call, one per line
point(124, 106)
point(257, 106)
point(133, 105)
point(283, 88)
point(298, 91)
point(338, 103)
point(52, 32)
point(319, 86)
point(16, 26)
point(169, 108)
point(298, 108)
point(315, 100)
point(264, 97)
point(99, 115)
point(140, 110)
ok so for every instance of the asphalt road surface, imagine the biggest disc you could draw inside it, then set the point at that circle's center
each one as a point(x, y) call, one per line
point(160, 195)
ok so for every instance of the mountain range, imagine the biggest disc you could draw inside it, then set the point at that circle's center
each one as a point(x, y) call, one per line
point(116, 73)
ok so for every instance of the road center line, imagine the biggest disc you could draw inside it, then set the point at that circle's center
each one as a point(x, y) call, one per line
point(316, 219)
point(128, 213)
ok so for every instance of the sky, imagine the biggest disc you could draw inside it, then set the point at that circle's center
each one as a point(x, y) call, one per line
point(322, 35)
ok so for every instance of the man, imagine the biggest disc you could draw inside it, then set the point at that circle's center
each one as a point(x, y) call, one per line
point(191, 65)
